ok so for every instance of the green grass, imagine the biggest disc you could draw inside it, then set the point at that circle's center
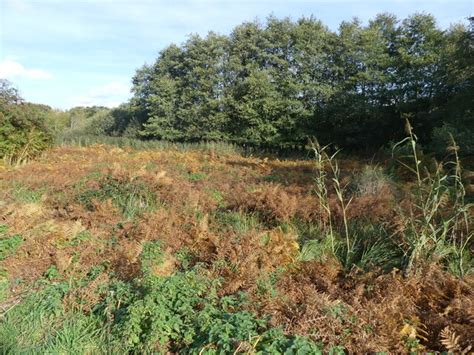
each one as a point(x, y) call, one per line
point(239, 222)
point(23, 193)
point(131, 198)
point(194, 177)
point(372, 248)
point(217, 196)
point(40, 325)
point(4, 285)
point(9, 244)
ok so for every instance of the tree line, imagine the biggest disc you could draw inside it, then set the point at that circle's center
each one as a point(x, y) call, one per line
point(281, 82)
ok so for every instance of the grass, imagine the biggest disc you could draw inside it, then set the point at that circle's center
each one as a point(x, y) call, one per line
point(123, 142)
point(194, 177)
point(239, 222)
point(40, 324)
point(9, 244)
point(25, 194)
point(437, 224)
point(130, 197)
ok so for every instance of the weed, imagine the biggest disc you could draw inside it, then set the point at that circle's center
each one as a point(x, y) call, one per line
point(194, 177)
point(26, 326)
point(318, 250)
point(185, 258)
point(80, 238)
point(183, 311)
point(78, 334)
point(9, 244)
point(151, 256)
point(24, 194)
point(239, 222)
point(324, 161)
point(273, 178)
point(52, 273)
point(372, 248)
point(4, 285)
point(132, 198)
point(218, 197)
point(266, 284)
point(370, 181)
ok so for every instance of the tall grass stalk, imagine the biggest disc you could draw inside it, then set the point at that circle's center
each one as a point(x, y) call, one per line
point(463, 217)
point(436, 226)
point(321, 190)
point(323, 160)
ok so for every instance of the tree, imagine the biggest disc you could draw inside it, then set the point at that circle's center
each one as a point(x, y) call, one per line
point(458, 112)
point(281, 82)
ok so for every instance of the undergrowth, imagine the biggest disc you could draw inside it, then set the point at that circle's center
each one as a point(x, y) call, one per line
point(130, 197)
point(112, 250)
point(151, 314)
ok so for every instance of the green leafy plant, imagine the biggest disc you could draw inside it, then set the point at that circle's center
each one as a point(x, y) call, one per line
point(151, 255)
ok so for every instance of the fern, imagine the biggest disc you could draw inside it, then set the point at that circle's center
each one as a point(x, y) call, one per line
point(450, 341)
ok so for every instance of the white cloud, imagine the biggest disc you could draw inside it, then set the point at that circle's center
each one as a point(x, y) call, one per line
point(10, 69)
point(19, 5)
point(108, 95)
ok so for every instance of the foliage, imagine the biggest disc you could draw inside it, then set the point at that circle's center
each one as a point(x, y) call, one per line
point(281, 82)
point(24, 132)
point(183, 311)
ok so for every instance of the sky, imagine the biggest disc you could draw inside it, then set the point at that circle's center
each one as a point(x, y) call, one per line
point(67, 53)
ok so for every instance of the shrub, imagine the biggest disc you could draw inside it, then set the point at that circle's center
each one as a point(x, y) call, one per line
point(24, 133)
point(463, 134)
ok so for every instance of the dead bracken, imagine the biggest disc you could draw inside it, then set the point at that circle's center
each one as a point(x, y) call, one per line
point(106, 217)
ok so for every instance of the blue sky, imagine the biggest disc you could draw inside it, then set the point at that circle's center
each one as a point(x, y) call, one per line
point(84, 52)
